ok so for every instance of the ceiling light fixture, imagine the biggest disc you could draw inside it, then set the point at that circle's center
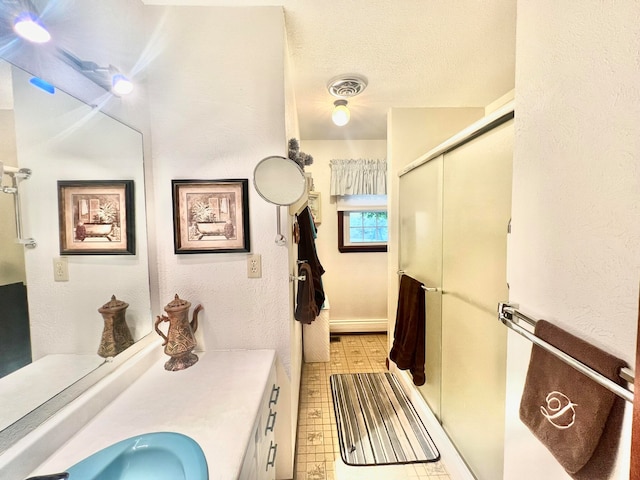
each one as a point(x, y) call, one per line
point(29, 27)
point(341, 114)
point(344, 87)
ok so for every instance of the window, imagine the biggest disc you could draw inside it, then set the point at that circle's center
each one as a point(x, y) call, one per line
point(362, 231)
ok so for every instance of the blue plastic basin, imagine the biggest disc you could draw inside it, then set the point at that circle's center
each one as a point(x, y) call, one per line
point(152, 456)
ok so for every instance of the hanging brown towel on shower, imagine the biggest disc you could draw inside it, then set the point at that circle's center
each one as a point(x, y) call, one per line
point(574, 417)
point(408, 351)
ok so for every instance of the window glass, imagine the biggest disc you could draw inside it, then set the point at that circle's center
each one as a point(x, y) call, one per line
point(362, 231)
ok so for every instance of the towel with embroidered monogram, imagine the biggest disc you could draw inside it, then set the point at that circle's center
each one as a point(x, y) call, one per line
point(567, 411)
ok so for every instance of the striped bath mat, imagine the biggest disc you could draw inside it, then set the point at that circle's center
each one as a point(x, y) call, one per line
point(377, 424)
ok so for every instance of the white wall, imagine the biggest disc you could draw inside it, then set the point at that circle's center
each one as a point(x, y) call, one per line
point(574, 253)
point(217, 108)
point(355, 283)
point(219, 103)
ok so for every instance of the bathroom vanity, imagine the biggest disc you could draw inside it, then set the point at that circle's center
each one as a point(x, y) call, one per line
point(227, 403)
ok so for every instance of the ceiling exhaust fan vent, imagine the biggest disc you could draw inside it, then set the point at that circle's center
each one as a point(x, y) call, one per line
point(347, 86)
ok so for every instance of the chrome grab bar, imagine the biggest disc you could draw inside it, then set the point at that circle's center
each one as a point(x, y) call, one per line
point(509, 314)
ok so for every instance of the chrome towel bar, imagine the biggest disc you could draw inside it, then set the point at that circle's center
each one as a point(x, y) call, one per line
point(510, 316)
point(426, 289)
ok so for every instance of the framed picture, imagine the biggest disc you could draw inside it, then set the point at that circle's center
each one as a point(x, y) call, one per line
point(309, 180)
point(96, 217)
point(211, 216)
point(315, 206)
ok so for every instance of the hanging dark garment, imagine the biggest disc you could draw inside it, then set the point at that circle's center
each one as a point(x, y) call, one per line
point(306, 308)
point(307, 252)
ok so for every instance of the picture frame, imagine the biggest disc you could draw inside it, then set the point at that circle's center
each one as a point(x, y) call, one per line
point(308, 176)
point(96, 217)
point(211, 216)
point(315, 205)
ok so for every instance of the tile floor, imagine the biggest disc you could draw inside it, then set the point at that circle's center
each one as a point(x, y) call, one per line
point(317, 443)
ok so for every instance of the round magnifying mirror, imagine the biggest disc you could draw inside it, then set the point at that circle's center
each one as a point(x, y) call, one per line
point(279, 180)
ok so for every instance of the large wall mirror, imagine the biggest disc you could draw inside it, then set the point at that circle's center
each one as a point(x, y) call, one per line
point(51, 330)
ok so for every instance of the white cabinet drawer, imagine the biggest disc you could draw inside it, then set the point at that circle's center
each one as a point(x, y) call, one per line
point(260, 458)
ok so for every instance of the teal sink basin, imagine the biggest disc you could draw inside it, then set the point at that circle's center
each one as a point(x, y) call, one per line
point(152, 456)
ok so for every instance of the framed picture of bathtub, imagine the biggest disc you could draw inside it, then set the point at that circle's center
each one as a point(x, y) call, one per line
point(96, 217)
point(211, 216)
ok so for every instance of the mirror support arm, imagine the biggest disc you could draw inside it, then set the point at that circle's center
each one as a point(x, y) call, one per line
point(281, 240)
point(15, 174)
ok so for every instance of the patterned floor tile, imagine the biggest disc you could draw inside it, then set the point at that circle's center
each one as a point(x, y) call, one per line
point(317, 443)
point(316, 471)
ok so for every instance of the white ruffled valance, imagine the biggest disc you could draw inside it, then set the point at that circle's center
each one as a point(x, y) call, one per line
point(358, 177)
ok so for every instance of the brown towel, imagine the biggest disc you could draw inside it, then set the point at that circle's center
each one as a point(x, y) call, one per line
point(566, 410)
point(408, 338)
point(306, 308)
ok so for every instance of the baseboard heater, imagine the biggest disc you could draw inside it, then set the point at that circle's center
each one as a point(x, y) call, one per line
point(358, 325)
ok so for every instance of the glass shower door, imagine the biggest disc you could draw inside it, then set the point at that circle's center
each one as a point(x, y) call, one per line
point(477, 209)
point(421, 257)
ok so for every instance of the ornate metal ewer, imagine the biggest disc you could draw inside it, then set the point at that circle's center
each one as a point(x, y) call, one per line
point(179, 340)
point(116, 336)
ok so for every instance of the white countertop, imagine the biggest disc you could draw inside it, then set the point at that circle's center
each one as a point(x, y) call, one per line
point(215, 402)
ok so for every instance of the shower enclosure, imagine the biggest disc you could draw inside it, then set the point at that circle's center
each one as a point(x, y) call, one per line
point(454, 218)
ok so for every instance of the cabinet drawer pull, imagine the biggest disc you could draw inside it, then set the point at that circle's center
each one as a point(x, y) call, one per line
point(273, 400)
point(271, 461)
point(271, 421)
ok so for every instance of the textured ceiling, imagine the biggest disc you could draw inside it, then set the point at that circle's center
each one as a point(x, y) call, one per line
point(414, 53)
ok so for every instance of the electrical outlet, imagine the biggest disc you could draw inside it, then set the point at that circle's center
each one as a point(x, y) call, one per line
point(254, 266)
point(60, 270)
